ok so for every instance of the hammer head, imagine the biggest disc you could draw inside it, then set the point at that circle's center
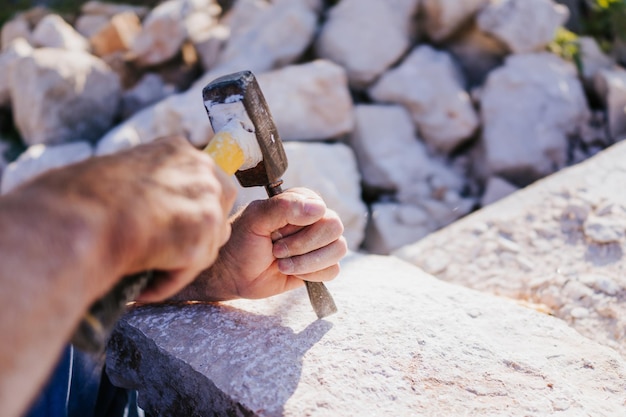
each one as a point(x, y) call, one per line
point(243, 87)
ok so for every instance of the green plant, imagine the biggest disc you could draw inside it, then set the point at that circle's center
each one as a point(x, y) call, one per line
point(605, 21)
point(566, 45)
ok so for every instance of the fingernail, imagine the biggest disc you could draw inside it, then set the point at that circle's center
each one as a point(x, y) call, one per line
point(280, 250)
point(286, 266)
point(275, 236)
point(312, 207)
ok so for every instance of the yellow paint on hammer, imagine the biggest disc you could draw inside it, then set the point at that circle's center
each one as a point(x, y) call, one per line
point(226, 152)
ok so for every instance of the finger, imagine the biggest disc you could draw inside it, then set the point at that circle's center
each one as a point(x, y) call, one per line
point(165, 285)
point(310, 238)
point(324, 275)
point(295, 207)
point(314, 261)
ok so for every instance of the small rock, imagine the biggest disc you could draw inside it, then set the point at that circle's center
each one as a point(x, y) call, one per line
point(309, 101)
point(18, 27)
point(117, 35)
point(603, 229)
point(430, 85)
point(347, 38)
point(150, 89)
point(579, 313)
point(527, 138)
point(601, 283)
point(523, 25)
point(17, 49)
point(592, 58)
point(38, 159)
point(54, 32)
point(61, 96)
point(209, 44)
point(610, 84)
point(442, 18)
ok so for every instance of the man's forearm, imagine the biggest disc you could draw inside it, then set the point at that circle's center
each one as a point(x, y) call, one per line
point(49, 275)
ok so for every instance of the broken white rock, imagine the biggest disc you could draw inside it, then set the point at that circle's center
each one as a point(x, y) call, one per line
point(430, 85)
point(16, 28)
point(54, 32)
point(117, 35)
point(347, 38)
point(610, 83)
point(442, 18)
point(165, 29)
point(331, 171)
point(405, 14)
point(523, 25)
point(393, 225)
point(592, 58)
point(17, 49)
point(62, 96)
point(276, 37)
point(525, 138)
point(38, 159)
point(600, 229)
point(309, 101)
point(150, 89)
point(386, 146)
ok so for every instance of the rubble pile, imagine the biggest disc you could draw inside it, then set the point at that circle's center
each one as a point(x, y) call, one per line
point(405, 115)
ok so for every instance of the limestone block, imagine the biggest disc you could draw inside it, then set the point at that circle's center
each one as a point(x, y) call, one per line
point(610, 83)
point(558, 244)
point(117, 35)
point(441, 18)
point(429, 84)
point(331, 171)
point(386, 146)
point(496, 189)
point(38, 159)
point(17, 49)
point(524, 25)
point(529, 108)
point(165, 29)
point(54, 32)
point(347, 38)
point(394, 225)
point(61, 96)
point(401, 344)
point(18, 27)
point(274, 38)
point(309, 101)
point(243, 15)
point(150, 89)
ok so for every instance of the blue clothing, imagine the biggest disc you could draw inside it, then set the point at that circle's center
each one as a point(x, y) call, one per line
point(79, 387)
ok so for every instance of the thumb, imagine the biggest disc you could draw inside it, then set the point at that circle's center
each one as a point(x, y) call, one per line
point(297, 207)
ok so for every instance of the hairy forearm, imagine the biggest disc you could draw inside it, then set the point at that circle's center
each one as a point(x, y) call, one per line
point(49, 275)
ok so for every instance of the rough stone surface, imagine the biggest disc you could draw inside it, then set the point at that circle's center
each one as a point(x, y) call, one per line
point(524, 25)
point(331, 171)
point(276, 37)
point(592, 59)
point(429, 84)
point(347, 38)
point(18, 27)
point(150, 89)
point(441, 18)
point(401, 344)
point(559, 243)
point(38, 159)
point(54, 32)
point(309, 101)
point(527, 138)
point(60, 96)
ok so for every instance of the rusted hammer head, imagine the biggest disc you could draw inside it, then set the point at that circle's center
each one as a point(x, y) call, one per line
point(242, 87)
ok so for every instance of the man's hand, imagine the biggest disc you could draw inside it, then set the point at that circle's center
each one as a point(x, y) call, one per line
point(275, 245)
point(69, 235)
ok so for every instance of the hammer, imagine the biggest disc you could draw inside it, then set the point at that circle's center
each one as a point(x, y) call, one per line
point(247, 144)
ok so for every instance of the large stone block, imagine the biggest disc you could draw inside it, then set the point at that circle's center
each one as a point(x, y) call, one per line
point(559, 243)
point(54, 32)
point(401, 344)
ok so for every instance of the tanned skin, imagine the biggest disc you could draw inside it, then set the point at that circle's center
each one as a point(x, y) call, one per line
point(68, 236)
